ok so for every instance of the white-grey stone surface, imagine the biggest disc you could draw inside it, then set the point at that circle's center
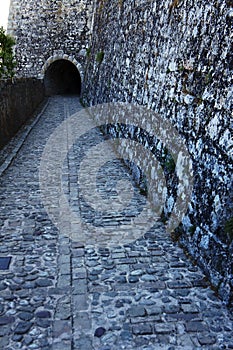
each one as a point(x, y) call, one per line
point(175, 57)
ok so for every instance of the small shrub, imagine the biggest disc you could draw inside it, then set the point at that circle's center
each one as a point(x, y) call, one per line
point(170, 164)
point(7, 63)
point(88, 52)
point(99, 57)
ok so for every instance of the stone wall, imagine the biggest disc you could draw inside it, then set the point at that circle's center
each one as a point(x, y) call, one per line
point(46, 31)
point(18, 101)
point(175, 58)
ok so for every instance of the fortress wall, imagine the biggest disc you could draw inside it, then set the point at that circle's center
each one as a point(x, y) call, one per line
point(18, 101)
point(47, 30)
point(175, 58)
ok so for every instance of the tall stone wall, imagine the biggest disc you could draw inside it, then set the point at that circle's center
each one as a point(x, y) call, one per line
point(175, 57)
point(49, 30)
point(18, 101)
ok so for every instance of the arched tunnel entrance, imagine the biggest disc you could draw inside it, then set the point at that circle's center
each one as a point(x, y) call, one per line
point(62, 77)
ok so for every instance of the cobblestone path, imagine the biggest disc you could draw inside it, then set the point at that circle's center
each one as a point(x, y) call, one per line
point(61, 294)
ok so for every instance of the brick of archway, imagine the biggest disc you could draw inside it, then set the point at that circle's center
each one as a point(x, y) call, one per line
point(55, 58)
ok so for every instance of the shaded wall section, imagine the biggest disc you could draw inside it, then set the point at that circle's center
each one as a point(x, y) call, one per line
point(18, 101)
point(62, 77)
point(175, 57)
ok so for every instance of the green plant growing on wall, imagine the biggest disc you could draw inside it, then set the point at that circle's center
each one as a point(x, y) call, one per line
point(192, 230)
point(168, 161)
point(7, 63)
point(170, 164)
point(88, 52)
point(181, 68)
point(99, 57)
point(109, 84)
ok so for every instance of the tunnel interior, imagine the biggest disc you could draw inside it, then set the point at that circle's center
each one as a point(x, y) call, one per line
point(61, 78)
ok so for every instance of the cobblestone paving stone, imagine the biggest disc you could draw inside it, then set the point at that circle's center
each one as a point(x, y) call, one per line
point(63, 294)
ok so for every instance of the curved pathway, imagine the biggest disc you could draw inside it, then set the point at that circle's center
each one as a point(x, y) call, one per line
point(62, 294)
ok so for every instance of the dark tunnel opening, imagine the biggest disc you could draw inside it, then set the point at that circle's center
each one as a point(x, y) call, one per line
point(61, 78)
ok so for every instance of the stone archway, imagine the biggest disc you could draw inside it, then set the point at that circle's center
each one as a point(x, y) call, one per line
point(62, 77)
